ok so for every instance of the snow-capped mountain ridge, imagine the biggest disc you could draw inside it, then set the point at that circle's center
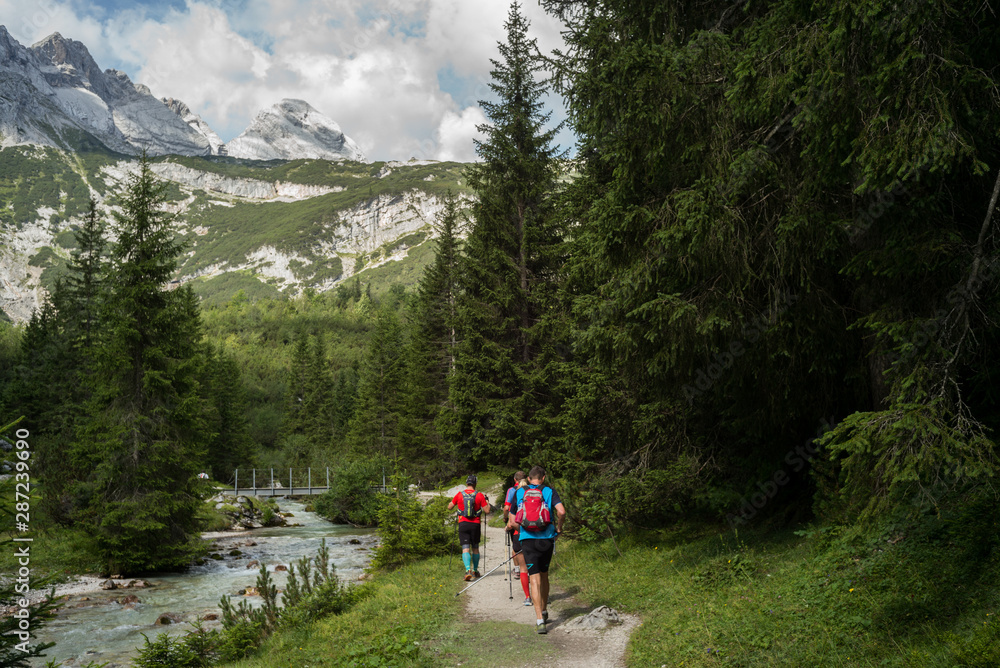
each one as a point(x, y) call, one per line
point(55, 88)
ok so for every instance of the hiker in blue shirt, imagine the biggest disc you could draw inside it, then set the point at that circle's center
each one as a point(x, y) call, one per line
point(520, 480)
point(538, 534)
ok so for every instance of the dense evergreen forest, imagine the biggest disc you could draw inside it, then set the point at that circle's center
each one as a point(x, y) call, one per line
point(769, 295)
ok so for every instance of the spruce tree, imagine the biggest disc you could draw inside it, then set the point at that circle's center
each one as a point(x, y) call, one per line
point(318, 404)
point(430, 355)
point(230, 444)
point(145, 441)
point(297, 387)
point(85, 281)
point(511, 262)
point(51, 385)
point(374, 427)
point(776, 203)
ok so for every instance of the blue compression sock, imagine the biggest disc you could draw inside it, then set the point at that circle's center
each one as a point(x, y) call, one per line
point(475, 562)
point(467, 560)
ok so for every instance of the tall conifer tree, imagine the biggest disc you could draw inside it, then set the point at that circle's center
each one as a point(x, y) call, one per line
point(430, 355)
point(777, 200)
point(50, 387)
point(374, 427)
point(512, 258)
point(146, 440)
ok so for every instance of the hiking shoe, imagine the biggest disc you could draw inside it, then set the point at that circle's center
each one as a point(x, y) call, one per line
point(527, 600)
point(545, 615)
point(540, 627)
point(477, 574)
point(468, 575)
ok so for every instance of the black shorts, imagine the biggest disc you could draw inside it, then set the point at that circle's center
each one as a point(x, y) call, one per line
point(515, 542)
point(469, 534)
point(537, 554)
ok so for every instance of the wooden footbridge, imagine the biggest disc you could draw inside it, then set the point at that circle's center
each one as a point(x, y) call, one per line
point(279, 482)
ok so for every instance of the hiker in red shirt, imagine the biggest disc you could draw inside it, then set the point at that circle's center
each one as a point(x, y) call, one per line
point(515, 544)
point(471, 505)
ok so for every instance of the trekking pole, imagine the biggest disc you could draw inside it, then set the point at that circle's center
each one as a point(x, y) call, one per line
point(482, 578)
point(451, 548)
point(510, 570)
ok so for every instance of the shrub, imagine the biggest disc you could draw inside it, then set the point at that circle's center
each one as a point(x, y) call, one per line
point(197, 649)
point(352, 498)
point(409, 530)
point(313, 591)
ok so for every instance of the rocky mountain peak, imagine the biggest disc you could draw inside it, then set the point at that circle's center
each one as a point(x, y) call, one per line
point(66, 62)
point(196, 123)
point(293, 129)
point(8, 46)
point(56, 89)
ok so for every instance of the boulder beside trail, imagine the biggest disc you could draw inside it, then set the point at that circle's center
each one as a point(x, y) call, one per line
point(596, 619)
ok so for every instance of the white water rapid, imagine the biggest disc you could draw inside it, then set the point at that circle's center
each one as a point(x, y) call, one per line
point(101, 630)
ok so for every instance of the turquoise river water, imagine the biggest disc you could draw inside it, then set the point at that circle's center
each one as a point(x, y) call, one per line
point(94, 627)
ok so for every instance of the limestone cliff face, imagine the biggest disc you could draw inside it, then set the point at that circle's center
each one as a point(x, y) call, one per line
point(382, 220)
point(20, 289)
point(362, 229)
point(369, 230)
point(248, 188)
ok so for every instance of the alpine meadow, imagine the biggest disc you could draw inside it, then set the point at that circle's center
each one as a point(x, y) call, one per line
point(745, 324)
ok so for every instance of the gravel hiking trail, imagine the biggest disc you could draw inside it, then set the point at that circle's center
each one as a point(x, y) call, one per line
point(489, 601)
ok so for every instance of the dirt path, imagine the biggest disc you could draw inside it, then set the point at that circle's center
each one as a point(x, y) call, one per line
point(490, 601)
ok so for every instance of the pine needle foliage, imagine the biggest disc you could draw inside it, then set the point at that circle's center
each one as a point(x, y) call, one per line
point(776, 205)
point(428, 416)
point(512, 256)
point(145, 441)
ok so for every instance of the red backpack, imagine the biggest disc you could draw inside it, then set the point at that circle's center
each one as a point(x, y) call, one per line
point(533, 513)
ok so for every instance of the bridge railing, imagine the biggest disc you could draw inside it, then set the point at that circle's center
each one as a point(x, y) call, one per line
point(292, 480)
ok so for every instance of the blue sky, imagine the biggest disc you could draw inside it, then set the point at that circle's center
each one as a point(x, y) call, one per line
point(401, 77)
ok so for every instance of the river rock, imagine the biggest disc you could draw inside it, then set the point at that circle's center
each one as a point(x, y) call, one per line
point(596, 619)
point(354, 541)
point(137, 584)
point(210, 617)
point(109, 584)
point(125, 600)
point(280, 568)
point(235, 553)
point(254, 564)
point(167, 618)
point(249, 591)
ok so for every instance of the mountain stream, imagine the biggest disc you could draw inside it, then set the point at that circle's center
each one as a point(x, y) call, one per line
point(94, 626)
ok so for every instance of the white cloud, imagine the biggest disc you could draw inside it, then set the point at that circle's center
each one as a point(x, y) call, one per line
point(372, 65)
point(456, 132)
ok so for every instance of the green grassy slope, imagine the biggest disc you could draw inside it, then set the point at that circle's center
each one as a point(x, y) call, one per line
point(223, 230)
